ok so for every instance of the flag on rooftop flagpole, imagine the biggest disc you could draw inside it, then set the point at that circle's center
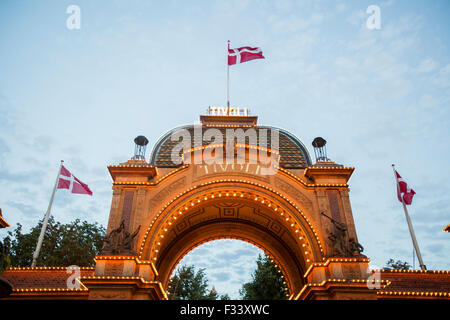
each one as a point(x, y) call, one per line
point(68, 181)
point(404, 191)
point(243, 54)
point(240, 55)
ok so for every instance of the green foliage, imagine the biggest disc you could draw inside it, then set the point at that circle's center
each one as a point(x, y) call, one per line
point(267, 282)
point(75, 243)
point(5, 260)
point(187, 284)
point(402, 265)
point(224, 297)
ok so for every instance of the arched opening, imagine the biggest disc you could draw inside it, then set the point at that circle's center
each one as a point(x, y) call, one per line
point(228, 264)
point(222, 211)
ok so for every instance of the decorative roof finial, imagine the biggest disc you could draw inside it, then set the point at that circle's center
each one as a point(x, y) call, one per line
point(320, 150)
point(139, 149)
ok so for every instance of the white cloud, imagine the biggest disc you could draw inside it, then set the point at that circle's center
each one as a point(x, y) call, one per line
point(442, 78)
point(357, 18)
point(426, 65)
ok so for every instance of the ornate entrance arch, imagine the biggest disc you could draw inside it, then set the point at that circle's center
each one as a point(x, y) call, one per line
point(299, 214)
point(233, 209)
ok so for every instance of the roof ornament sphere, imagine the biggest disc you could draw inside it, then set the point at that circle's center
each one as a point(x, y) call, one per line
point(319, 142)
point(141, 141)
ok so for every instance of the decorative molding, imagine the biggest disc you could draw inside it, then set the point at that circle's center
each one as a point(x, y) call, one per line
point(242, 170)
point(166, 192)
point(294, 192)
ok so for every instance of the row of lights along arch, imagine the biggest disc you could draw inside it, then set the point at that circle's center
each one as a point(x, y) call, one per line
point(233, 193)
point(240, 194)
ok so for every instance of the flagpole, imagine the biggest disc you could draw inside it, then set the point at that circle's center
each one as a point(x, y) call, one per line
point(408, 220)
point(44, 224)
point(228, 79)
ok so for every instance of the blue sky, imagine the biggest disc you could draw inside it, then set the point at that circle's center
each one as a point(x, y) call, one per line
point(142, 67)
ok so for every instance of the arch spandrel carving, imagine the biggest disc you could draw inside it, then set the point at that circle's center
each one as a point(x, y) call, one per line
point(181, 183)
point(196, 175)
point(298, 214)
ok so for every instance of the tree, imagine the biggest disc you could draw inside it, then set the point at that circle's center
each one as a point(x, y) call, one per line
point(224, 297)
point(402, 265)
point(75, 243)
point(5, 260)
point(187, 284)
point(267, 283)
point(213, 295)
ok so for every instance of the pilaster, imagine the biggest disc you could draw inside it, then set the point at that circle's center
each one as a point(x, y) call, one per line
point(338, 279)
point(124, 277)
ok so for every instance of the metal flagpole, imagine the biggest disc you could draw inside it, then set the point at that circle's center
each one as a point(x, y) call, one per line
point(44, 224)
point(411, 230)
point(228, 79)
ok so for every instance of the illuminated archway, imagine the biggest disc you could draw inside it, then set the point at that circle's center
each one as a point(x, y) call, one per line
point(294, 211)
point(232, 209)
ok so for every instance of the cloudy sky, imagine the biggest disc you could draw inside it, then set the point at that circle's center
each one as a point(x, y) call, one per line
point(378, 96)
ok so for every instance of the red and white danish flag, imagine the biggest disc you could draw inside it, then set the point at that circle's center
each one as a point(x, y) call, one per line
point(69, 181)
point(403, 190)
point(243, 54)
